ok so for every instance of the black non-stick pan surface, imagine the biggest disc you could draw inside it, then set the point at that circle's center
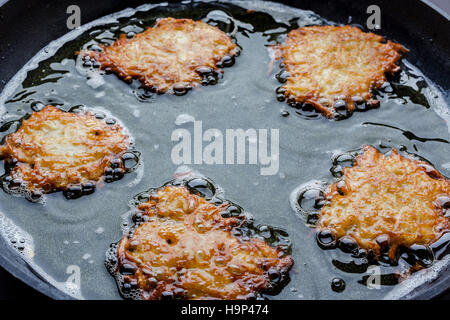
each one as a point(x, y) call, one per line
point(46, 245)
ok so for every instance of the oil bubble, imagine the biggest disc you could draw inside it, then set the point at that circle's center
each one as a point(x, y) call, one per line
point(337, 285)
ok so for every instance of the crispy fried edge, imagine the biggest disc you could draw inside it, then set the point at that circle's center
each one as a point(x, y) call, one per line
point(107, 63)
point(124, 257)
point(390, 67)
point(332, 191)
point(6, 149)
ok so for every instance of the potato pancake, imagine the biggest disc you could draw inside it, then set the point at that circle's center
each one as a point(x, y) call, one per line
point(185, 249)
point(172, 56)
point(386, 203)
point(53, 150)
point(334, 67)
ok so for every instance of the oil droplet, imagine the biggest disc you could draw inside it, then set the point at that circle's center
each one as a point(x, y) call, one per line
point(284, 113)
point(184, 119)
point(337, 285)
point(325, 239)
point(86, 256)
point(202, 187)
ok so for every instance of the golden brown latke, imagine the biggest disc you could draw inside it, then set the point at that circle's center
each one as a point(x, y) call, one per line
point(393, 196)
point(169, 56)
point(329, 63)
point(186, 250)
point(55, 149)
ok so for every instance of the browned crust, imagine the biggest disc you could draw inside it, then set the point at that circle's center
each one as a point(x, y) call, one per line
point(393, 196)
point(329, 63)
point(55, 149)
point(187, 248)
point(167, 56)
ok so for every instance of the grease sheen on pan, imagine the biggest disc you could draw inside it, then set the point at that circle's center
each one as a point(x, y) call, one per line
point(172, 56)
point(387, 202)
point(332, 65)
point(53, 150)
point(186, 249)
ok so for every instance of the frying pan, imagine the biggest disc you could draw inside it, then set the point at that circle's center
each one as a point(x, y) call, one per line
point(27, 26)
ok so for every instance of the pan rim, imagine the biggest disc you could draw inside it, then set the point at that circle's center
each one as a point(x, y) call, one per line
point(19, 268)
point(437, 9)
